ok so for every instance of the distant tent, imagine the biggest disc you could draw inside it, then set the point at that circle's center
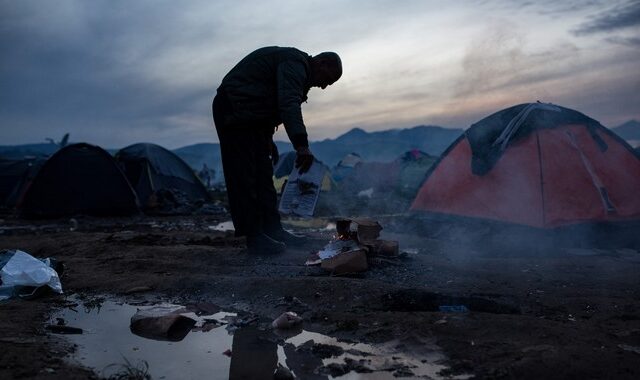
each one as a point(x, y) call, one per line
point(15, 177)
point(346, 166)
point(538, 165)
point(79, 179)
point(414, 165)
point(403, 176)
point(151, 168)
point(380, 177)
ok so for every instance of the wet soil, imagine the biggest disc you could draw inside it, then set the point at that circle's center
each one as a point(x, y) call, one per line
point(552, 313)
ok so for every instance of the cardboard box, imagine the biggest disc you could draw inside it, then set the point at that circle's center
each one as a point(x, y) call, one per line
point(368, 229)
point(383, 248)
point(347, 262)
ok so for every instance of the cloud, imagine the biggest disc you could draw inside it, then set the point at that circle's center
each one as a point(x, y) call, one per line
point(116, 72)
point(613, 19)
point(625, 41)
point(499, 59)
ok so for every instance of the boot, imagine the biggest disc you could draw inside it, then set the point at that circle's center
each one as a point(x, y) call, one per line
point(263, 244)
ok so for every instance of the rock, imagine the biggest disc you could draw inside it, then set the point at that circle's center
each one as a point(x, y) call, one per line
point(286, 321)
point(138, 289)
point(282, 373)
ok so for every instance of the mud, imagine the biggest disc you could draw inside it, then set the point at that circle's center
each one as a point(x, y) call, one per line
point(552, 313)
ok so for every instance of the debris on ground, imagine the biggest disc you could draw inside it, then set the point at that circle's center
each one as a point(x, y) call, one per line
point(163, 322)
point(286, 320)
point(27, 277)
point(138, 289)
point(356, 241)
point(353, 261)
point(63, 329)
point(453, 309)
point(283, 373)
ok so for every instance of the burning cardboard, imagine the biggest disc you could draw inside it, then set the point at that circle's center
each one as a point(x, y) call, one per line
point(383, 248)
point(354, 261)
point(356, 239)
point(367, 230)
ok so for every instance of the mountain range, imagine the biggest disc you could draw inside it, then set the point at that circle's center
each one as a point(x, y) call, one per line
point(381, 146)
point(629, 131)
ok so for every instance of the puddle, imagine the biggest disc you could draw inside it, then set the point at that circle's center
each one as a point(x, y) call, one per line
point(200, 341)
point(108, 339)
point(365, 361)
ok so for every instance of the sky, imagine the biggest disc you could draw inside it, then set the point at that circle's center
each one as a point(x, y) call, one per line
point(116, 72)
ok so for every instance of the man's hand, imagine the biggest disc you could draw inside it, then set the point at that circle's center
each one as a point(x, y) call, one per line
point(275, 155)
point(304, 159)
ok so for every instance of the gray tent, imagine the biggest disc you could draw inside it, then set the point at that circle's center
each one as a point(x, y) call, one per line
point(151, 168)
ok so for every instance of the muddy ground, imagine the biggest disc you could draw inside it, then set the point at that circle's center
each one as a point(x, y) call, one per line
point(548, 313)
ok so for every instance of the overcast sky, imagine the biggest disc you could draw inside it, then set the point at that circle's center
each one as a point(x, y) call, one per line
point(115, 72)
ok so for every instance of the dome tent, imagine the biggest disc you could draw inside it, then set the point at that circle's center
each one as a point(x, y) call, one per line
point(79, 179)
point(151, 168)
point(15, 177)
point(536, 165)
point(346, 165)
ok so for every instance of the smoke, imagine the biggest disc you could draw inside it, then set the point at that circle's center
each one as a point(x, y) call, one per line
point(502, 228)
point(492, 59)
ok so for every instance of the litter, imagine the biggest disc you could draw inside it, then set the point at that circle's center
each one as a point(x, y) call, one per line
point(282, 373)
point(138, 289)
point(286, 320)
point(224, 226)
point(164, 322)
point(366, 193)
point(63, 329)
point(453, 309)
point(25, 276)
point(336, 247)
point(367, 230)
point(384, 248)
point(346, 262)
point(356, 240)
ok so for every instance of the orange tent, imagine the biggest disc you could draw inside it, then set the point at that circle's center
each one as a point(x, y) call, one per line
point(535, 164)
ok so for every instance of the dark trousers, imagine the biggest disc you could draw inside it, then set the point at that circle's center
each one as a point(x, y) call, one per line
point(248, 173)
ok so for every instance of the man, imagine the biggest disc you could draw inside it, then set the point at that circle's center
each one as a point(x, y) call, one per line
point(265, 89)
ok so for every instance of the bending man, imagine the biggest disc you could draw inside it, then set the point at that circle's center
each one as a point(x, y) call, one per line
point(265, 89)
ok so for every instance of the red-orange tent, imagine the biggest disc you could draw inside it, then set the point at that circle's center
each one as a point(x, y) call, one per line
point(535, 164)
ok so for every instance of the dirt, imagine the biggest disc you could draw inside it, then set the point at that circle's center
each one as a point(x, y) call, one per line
point(552, 313)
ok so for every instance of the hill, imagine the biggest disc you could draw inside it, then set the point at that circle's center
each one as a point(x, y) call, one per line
point(385, 146)
point(629, 130)
point(27, 150)
point(199, 154)
point(382, 146)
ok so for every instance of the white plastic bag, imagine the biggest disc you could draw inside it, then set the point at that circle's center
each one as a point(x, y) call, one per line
point(22, 269)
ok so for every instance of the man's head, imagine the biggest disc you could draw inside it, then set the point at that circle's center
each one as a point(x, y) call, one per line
point(326, 69)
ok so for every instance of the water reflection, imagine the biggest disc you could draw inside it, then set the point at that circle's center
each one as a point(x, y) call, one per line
point(199, 341)
point(254, 354)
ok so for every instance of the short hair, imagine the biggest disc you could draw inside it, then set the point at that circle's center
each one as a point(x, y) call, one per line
point(332, 59)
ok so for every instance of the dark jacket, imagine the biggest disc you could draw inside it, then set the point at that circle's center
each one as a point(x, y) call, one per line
point(266, 88)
